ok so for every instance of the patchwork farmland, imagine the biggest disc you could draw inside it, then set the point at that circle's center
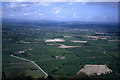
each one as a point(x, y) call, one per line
point(58, 51)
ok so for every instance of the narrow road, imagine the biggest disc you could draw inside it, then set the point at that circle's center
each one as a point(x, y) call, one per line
point(21, 58)
point(107, 55)
point(31, 62)
point(44, 60)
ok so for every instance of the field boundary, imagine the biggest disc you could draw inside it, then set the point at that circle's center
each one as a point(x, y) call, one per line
point(31, 62)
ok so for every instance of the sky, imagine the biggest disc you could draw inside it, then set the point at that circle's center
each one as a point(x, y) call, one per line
point(61, 11)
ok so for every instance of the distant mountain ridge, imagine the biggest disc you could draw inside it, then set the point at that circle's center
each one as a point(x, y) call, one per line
point(69, 22)
point(108, 26)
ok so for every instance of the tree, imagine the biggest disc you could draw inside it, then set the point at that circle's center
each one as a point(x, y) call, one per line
point(62, 78)
point(28, 78)
point(3, 76)
point(81, 75)
point(41, 78)
point(49, 77)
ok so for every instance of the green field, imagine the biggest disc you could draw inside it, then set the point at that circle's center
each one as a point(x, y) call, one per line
point(97, 52)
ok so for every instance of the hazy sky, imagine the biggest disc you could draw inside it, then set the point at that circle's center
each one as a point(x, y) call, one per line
point(64, 11)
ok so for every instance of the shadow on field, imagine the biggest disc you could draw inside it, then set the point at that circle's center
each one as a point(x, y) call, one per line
point(20, 75)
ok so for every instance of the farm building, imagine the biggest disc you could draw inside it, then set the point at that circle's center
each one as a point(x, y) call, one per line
point(64, 46)
point(55, 40)
point(19, 52)
point(60, 57)
point(80, 41)
point(92, 70)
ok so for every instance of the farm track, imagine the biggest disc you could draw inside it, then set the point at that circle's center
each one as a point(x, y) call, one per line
point(97, 57)
point(31, 62)
point(107, 55)
point(44, 60)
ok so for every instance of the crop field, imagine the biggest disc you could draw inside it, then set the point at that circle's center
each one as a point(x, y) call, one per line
point(31, 40)
point(21, 67)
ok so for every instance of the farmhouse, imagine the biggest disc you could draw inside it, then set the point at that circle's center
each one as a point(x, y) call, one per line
point(80, 41)
point(60, 57)
point(55, 40)
point(92, 70)
point(19, 52)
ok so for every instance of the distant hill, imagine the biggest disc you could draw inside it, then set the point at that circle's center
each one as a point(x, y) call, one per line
point(51, 23)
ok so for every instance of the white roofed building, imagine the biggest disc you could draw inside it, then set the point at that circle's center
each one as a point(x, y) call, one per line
point(55, 40)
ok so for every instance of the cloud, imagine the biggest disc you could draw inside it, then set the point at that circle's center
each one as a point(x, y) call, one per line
point(35, 16)
point(105, 17)
point(60, 0)
point(56, 12)
point(73, 8)
point(107, 4)
point(41, 14)
point(89, 17)
point(11, 15)
point(83, 3)
point(35, 12)
point(25, 14)
point(70, 3)
point(62, 17)
point(24, 5)
point(11, 5)
point(45, 4)
point(74, 14)
point(60, 7)
point(18, 5)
